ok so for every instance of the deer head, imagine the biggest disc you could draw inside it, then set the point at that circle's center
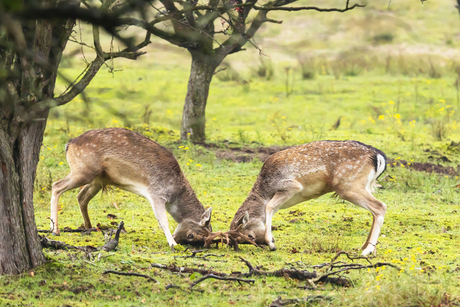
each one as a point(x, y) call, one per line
point(254, 229)
point(191, 232)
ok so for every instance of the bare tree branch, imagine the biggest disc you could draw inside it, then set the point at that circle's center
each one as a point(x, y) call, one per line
point(309, 8)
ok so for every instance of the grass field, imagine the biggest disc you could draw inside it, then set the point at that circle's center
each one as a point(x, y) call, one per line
point(399, 96)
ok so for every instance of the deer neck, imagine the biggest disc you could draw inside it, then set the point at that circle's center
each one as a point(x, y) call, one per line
point(254, 205)
point(185, 205)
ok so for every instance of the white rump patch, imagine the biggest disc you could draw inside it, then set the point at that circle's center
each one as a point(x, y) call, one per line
point(370, 181)
point(380, 165)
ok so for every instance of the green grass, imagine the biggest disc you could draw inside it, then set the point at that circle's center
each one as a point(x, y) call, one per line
point(397, 108)
point(421, 225)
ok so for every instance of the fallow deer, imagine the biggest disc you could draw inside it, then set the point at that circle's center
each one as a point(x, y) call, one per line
point(348, 168)
point(132, 162)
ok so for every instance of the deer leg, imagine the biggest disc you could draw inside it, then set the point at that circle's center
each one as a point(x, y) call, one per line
point(272, 207)
point(159, 209)
point(366, 243)
point(378, 209)
point(85, 196)
point(59, 187)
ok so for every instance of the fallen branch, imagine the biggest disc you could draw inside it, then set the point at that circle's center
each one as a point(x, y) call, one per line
point(175, 269)
point(311, 298)
point(204, 257)
point(169, 286)
point(109, 246)
point(69, 230)
point(239, 280)
point(113, 243)
point(48, 243)
point(357, 267)
point(295, 274)
point(131, 274)
point(367, 258)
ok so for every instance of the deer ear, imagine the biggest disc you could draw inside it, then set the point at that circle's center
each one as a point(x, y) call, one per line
point(206, 218)
point(244, 220)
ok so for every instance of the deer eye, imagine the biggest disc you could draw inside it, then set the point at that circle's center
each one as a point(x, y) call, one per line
point(251, 236)
point(190, 236)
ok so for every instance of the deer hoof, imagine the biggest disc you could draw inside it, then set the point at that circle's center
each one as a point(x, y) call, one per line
point(55, 233)
point(368, 251)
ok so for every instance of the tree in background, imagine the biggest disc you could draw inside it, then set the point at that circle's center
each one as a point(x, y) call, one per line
point(210, 33)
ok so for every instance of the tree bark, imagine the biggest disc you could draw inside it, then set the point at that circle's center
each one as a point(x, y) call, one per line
point(31, 61)
point(20, 141)
point(20, 248)
point(193, 116)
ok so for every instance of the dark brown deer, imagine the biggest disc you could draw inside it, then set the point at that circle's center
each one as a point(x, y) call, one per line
point(132, 162)
point(348, 168)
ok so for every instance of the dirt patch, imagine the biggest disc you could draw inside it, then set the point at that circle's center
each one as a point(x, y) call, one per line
point(425, 167)
point(243, 154)
point(247, 154)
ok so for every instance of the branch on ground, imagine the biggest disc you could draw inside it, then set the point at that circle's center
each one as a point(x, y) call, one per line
point(290, 301)
point(48, 243)
point(175, 269)
point(67, 229)
point(108, 246)
point(204, 257)
point(149, 278)
point(239, 280)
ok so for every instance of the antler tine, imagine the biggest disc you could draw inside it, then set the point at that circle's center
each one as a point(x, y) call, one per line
point(236, 234)
point(210, 239)
point(230, 237)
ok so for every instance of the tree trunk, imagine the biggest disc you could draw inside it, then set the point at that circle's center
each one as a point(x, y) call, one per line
point(21, 140)
point(193, 117)
point(20, 248)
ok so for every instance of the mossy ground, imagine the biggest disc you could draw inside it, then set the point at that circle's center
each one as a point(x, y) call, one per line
point(404, 112)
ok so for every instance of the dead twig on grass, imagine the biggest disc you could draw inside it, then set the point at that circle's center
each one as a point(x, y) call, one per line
point(311, 298)
point(67, 229)
point(346, 267)
point(367, 258)
point(113, 243)
point(109, 246)
point(295, 274)
point(175, 269)
point(357, 267)
point(48, 243)
point(204, 257)
point(149, 278)
point(239, 280)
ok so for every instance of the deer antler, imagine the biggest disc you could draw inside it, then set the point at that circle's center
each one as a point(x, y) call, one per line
point(231, 238)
